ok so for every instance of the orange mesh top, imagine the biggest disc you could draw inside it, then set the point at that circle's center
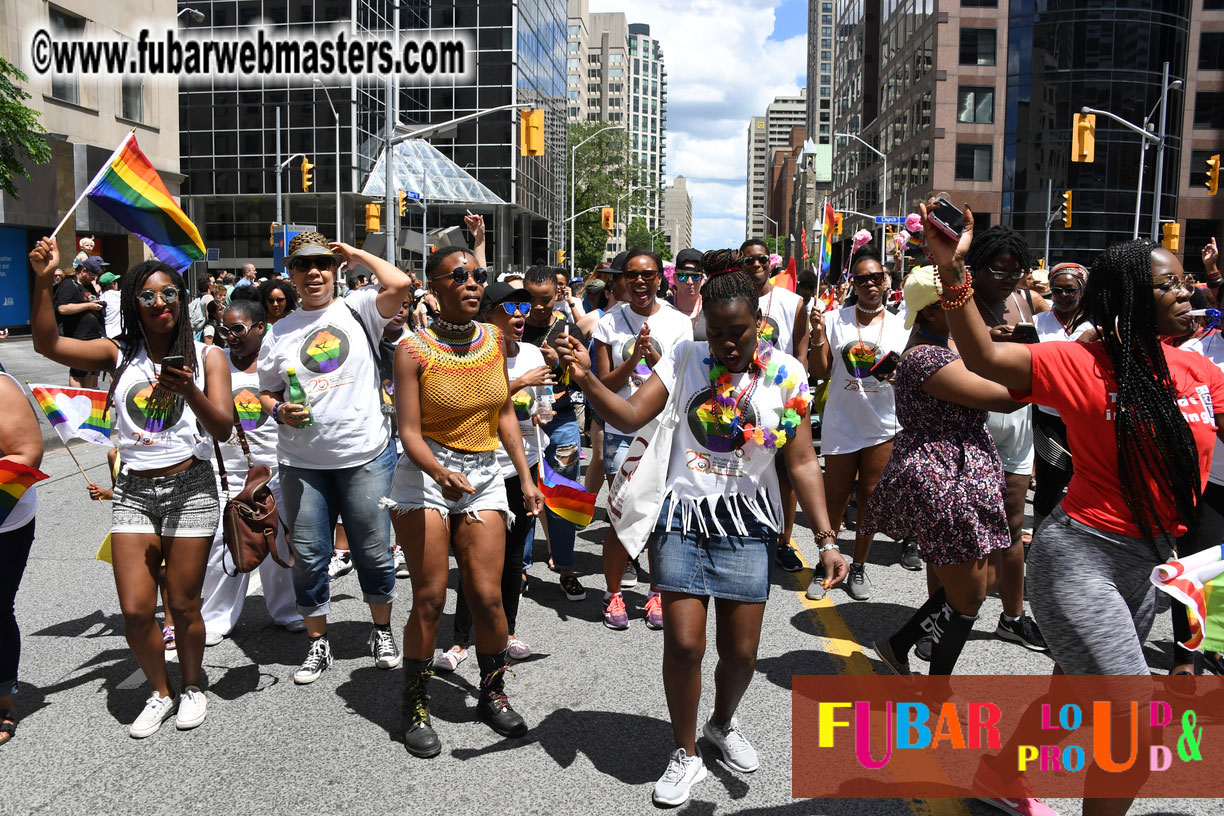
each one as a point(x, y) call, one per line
point(463, 388)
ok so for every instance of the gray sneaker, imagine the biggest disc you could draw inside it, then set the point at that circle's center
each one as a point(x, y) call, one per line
point(816, 590)
point(857, 583)
point(738, 753)
point(683, 772)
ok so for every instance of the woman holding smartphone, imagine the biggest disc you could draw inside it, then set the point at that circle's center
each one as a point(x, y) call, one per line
point(164, 388)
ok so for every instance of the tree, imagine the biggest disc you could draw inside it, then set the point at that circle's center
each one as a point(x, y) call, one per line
point(639, 236)
point(20, 132)
point(604, 171)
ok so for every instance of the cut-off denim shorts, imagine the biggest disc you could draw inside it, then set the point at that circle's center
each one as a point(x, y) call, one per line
point(413, 489)
point(183, 505)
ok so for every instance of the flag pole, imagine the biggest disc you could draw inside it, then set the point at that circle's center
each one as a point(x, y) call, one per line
point(70, 453)
point(88, 187)
point(540, 448)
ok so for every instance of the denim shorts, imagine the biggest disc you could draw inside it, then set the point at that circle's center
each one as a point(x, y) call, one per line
point(183, 505)
point(733, 567)
point(413, 489)
point(615, 447)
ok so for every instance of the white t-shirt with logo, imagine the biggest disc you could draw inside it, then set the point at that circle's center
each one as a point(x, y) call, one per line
point(148, 440)
point(619, 328)
point(257, 426)
point(861, 411)
point(778, 307)
point(1211, 346)
point(334, 364)
point(1050, 329)
point(707, 466)
point(524, 402)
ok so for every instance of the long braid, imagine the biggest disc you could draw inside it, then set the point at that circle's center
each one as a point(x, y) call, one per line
point(1153, 438)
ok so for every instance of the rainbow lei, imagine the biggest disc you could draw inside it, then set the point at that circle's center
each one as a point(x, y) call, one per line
point(728, 414)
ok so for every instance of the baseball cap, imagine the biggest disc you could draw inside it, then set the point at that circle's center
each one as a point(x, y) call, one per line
point(618, 263)
point(93, 264)
point(108, 278)
point(689, 259)
point(502, 292)
point(921, 290)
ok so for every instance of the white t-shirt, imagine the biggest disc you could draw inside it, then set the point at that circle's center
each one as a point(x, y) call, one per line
point(778, 307)
point(524, 402)
point(335, 366)
point(149, 442)
point(861, 410)
point(618, 329)
point(1049, 329)
point(258, 427)
point(114, 317)
point(705, 466)
point(1211, 346)
point(24, 510)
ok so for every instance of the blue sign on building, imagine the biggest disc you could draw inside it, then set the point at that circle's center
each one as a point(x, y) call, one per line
point(14, 278)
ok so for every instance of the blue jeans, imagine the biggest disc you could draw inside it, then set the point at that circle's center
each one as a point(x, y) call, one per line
point(562, 455)
point(313, 499)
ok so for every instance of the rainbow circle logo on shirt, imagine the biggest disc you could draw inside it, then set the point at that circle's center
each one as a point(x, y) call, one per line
point(630, 345)
point(524, 404)
point(325, 350)
point(859, 356)
point(142, 415)
point(770, 331)
point(700, 416)
point(249, 411)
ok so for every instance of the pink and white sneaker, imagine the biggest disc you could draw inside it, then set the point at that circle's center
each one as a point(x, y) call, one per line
point(987, 780)
point(518, 649)
point(448, 661)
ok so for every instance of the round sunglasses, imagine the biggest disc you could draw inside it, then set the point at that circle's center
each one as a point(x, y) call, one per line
point(236, 331)
point(516, 308)
point(460, 275)
point(1064, 290)
point(148, 297)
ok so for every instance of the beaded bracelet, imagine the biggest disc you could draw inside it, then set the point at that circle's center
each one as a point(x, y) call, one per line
point(276, 413)
point(958, 302)
point(822, 550)
point(823, 534)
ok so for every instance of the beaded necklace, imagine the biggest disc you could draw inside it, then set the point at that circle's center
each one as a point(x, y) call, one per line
point(727, 400)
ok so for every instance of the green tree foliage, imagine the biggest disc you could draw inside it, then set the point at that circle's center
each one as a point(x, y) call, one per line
point(603, 173)
point(20, 132)
point(639, 235)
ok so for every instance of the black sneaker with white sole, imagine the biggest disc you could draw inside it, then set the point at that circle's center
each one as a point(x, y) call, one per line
point(787, 558)
point(1023, 631)
point(317, 660)
point(572, 587)
point(911, 559)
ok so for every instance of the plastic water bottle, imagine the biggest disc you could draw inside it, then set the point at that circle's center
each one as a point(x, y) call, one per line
point(298, 395)
point(544, 407)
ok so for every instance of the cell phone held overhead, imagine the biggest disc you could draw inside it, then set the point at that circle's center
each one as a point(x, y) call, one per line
point(947, 218)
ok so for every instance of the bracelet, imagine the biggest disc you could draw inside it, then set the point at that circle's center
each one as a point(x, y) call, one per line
point(958, 302)
point(825, 548)
point(818, 345)
point(276, 413)
point(823, 534)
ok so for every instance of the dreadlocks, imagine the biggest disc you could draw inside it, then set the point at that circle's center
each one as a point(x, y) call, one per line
point(132, 337)
point(997, 240)
point(1152, 435)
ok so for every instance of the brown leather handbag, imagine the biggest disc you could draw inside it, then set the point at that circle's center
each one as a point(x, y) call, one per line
point(250, 519)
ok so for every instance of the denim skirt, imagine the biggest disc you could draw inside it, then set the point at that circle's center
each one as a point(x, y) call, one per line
point(734, 567)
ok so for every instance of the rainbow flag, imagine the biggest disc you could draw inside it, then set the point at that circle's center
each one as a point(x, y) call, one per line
point(129, 188)
point(565, 497)
point(15, 480)
point(826, 240)
point(788, 279)
point(78, 413)
point(1197, 581)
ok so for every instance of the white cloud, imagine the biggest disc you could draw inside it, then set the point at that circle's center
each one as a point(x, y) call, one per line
point(723, 69)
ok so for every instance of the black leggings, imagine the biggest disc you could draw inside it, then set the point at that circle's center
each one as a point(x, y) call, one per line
point(1210, 534)
point(512, 572)
point(1053, 463)
point(14, 553)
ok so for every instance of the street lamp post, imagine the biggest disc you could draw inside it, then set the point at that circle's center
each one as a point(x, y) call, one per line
point(573, 157)
point(770, 220)
point(884, 195)
point(336, 118)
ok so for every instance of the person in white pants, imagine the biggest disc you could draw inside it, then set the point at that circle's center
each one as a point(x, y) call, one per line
point(222, 597)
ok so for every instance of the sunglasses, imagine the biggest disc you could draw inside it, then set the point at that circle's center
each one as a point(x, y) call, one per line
point(236, 331)
point(755, 260)
point(323, 263)
point(875, 278)
point(688, 277)
point(1000, 274)
point(1064, 290)
point(460, 275)
point(169, 294)
point(278, 300)
point(516, 308)
point(644, 274)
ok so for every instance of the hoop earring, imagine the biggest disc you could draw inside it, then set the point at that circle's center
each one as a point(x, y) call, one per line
point(1117, 333)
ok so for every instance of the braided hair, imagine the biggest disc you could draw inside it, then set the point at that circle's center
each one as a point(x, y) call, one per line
point(727, 282)
point(720, 261)
point(994, 241)
point(1153, 438)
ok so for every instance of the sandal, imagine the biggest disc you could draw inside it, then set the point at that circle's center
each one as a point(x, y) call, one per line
point(8, 725)
point(168, 638)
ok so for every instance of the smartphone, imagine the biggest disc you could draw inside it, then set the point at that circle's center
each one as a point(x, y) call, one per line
point(1025, 333)
point(886, 365)
point(174, 361)
point(947, 218)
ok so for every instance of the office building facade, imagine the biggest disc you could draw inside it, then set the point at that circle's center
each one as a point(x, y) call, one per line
point(678, 215)
point(765, 134)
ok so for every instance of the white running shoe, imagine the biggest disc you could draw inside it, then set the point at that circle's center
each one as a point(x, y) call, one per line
point(156, 711)
point(341, 564)
point(401, 563)
point(738, 753)
point(518, 649)
point(193, 708)
point(683, 772)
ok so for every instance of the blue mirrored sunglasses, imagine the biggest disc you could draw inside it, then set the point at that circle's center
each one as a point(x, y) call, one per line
point(516, 308)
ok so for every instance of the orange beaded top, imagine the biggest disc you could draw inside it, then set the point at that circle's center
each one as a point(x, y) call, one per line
point(463, 387)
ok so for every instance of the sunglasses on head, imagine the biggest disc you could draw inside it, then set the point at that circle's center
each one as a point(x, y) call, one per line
point(755, 260)
point(876, 278)
point(516, 308)
point(236, 331)
point(148, 297)
point(1064, 290)
point(1000, 274)
point(688, 277)
point(644, 274)
point(460, 275)
point(321, 262)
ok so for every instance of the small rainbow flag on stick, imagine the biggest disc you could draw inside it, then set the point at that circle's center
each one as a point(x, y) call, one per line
point(565, 497)
point(129, 188)
point(826, 239)
point(15, 480)
point(75, 412)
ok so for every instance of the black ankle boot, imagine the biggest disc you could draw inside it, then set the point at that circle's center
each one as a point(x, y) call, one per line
point(493, 707)
point(419, 736)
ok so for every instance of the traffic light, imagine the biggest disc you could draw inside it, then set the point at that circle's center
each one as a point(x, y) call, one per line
point(531, 132)
point(606, 218)
point(560, 257)
point(272, 234)
point(306, 174)
point(403, 203)
point(1213, 174)
point(1083, 138)
point(373, 218)
point(837, 223)
point(1067, 209)
point(1172, 236)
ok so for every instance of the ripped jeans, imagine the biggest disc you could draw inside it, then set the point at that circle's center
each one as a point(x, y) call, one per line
point(413, 489)
point(562, 455)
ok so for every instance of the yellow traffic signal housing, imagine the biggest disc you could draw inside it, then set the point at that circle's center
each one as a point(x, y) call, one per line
point(531, 132)
point(272, 234)
point(373, 218)
point(837, 223)
point(1083, 138)
point(1067, 209)
point(1213, 174)
point(1172, 236)
point(606, 218)
point(307, 167)
point(403, 203)
point(560, 257)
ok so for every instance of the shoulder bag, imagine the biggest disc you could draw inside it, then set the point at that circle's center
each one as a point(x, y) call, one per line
point(250, 519)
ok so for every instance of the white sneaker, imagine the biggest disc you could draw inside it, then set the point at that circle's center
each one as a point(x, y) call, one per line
point(518, 649)
point(401, 563)
point(156, 711)
point(341, 563)
point(317, 659)
point(683, 772)
point(738, 753)
point(213, 638)
point(193, 708)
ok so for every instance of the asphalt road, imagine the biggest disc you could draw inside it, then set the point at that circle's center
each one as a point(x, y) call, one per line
point(594, 698)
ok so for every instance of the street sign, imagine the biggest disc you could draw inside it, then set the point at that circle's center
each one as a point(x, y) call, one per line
point(413, 196)
point(890, 219)
point(214, 254)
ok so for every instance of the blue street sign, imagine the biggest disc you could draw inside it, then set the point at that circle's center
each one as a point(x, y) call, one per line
point(890, 219)
point(413, 196)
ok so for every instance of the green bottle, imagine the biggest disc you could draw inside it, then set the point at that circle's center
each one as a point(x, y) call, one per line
point(298, 395)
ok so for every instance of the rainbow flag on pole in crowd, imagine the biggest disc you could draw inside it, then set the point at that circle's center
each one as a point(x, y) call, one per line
point(75, 412)
point(826, 239)
point(129, 188)
point(15, 480)
point(565, 497)
point(1197, 580)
